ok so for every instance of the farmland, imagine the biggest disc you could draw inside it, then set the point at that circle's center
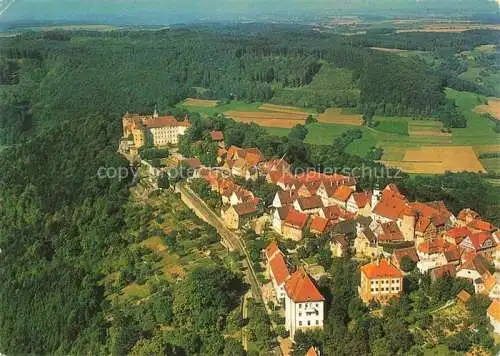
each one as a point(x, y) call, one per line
point(403, 139)
point(492, 108)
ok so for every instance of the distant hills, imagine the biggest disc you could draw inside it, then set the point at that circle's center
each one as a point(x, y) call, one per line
point(167, 12)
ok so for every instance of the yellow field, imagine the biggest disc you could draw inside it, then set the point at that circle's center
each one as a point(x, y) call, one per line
point(426, 128)
point(201, 102)
point(486, 149)
point(438, 159)
point(283, 109)
point(336, 116)
point(492, 108)
point(269, 119)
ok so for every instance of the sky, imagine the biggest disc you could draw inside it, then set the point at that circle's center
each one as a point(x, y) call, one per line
point(157, 12)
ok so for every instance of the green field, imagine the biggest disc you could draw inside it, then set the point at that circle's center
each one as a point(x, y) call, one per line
point(232, 106)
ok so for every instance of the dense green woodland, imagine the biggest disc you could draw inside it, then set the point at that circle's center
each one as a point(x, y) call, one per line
point(55, 74)
point(61, 100)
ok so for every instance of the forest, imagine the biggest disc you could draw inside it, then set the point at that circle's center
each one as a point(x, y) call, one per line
point(62, 95)
point(52, 75)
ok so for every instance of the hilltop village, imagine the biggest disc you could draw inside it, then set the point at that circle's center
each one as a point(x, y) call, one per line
point(387, 234)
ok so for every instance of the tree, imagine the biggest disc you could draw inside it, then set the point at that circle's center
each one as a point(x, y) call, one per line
point(163, 181)
point(407, 265)
point(325, 258)
point(299, 132)
point(233, 348)
point(311, 120)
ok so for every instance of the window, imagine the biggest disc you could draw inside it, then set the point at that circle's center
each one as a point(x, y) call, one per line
point(300, 323)
point(300, 306)
point(300, 314)
point(317, 322)
point(309, 322)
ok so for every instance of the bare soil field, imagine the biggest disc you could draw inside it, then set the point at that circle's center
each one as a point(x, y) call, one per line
point(269, 119)
point(492, 108)
point(201, 102)
point(336, 116)
point(438, 160)
point(282, 109)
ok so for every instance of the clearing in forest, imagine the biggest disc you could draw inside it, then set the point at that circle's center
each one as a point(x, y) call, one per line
point(438, 160)
point(200, 102)
point(426, 128)
point(492, 108)
point(337, 116)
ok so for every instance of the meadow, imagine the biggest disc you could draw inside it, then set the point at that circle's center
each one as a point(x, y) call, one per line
point(403, 139)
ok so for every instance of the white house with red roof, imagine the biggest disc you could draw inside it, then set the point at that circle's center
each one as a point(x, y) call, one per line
point(304, 304)
point(277, 269)
point(294, 225)
point(380, 280)
point(360, 203)
point(479, 242)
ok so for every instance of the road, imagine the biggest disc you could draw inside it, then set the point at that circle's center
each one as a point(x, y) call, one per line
point(230, 239)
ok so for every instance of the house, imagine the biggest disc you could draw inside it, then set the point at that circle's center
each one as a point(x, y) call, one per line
point(193, 163)
point(284, 198)
point(482, 242)
point(342, 195)
point(432, 218)
point(389, 232)
point(391, 205)
point(274, 165)
point(474, 269)
point(218, 136)
point(360, 203)
point(432, 254)
point(278, 217)
point(366, 243)
point(310, 205)
point(294, 225)
point(380, 281)
point(237, 216)
point(277, 269)
point(447, 270)
point(304, 304)
point(339, 245)
point(462, 298)
point(240, 195)
point(493, 313)
point(326, 192)
point(456, 235)
point(318, 225)
point(335, 213)
point(400, 253)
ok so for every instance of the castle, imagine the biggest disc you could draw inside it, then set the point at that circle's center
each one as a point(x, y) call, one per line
point(153, 129)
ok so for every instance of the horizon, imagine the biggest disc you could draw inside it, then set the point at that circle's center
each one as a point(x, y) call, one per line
point(158, 13)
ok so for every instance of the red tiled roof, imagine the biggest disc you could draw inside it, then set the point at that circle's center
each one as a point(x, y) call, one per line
point(164, 121)
point(442, 271)
point(409, 252)
point(318, 224)
point(482, 225)
point(463, 296)
point(312, 202)
point(245, 208)
point(279, 268)
point(380, 270)
point(342, 193)
point(392, 204)
point(311, 352)
point(283, 212)
point(193, 162)
point(479, 238)
point(494, 310)
point(217, 135)
point(489, 281)
point(433, 212)
point(458, 233)
point(287, 196)
point(390, 232)
point(452, 253)
point(335, 212)
point(433, 246)
point(296, 219)
point(464, 214)
point(362, 198)
point(300, 288)
point(475, 262)
point(271, 249)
